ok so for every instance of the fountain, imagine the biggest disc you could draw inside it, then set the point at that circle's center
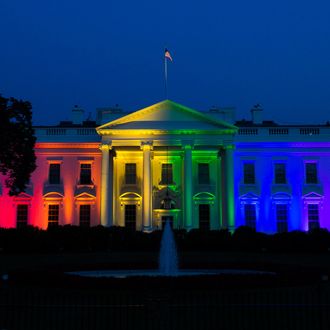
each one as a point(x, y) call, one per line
point(168, 259)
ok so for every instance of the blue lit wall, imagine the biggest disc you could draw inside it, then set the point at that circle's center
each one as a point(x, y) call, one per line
point(296, 193)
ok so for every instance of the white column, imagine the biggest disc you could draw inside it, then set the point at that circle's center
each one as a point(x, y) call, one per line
point(110, 188)
point(229, 187)
point(147, 187)
point(219, 185)
point(187, 191)
point(106, 190)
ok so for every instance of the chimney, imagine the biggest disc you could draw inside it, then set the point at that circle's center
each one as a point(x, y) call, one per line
point(226, 114)
point(256, 113)
point(77, 115)
point(105, 115)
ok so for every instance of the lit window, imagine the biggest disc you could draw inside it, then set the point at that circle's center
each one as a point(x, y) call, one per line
point(311, 173)
point(54, 173)
point(167, 174)
point(85, 174)
point(53, 215)
point(203, 173)
point(130, 217)
point(249, 173)
point(85, 215)
point(282, 217)
point(250, 215)
point(22, 215)
point(280, 173)
point(313, 216)
point(130, 173)
point(204, 217)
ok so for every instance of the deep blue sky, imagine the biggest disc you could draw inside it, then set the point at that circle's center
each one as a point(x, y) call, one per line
point(57, 53)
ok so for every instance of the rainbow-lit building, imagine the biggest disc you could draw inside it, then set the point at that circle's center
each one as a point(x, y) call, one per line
point(169, 162)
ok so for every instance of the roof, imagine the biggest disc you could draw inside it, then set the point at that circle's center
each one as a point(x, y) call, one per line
point(167, 116)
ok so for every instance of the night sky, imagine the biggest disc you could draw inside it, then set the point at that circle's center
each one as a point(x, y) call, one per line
point(58, 53)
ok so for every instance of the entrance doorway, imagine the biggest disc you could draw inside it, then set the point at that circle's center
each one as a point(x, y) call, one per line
point(168, 218)
point(204, 216)
point(130, 216)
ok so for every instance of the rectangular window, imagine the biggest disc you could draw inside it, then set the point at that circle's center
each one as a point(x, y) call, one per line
point(282, 218)
point(85, 215)
point(130, 217)
point(54, 174)
point(249, 173)
point(167, 174)
point(85, 173)
point(250, 215)
point(280, 173)
point(130, 173)
point(21, 215)
point(313, 216)
point(203, 173)
point(204, 216)
point(311, 173)
point(53, 215)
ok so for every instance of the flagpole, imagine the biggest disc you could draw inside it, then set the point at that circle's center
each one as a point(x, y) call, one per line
point(165, 67)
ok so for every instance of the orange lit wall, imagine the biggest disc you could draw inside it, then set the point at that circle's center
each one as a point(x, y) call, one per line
point(39, 193)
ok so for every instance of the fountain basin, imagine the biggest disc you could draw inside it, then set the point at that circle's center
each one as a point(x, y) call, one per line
point(156, 273)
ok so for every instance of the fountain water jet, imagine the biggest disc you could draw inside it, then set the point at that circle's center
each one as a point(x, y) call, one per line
point(168, 258)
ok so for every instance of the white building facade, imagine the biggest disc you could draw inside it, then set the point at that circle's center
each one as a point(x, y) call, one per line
point(170, 162)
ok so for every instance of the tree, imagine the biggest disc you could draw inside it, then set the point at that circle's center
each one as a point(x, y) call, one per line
point(17, 140)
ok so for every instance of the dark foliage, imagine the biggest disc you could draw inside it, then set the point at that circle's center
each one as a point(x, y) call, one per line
point(100, 239)
point(248, 239)
point(17, 140)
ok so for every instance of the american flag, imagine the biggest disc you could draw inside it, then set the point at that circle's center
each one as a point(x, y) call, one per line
point(168, 55)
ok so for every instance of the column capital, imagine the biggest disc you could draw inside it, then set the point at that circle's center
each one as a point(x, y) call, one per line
point(187, 144)
point(187, 147)
point(146, 145)
point(229, 147)
point(105, 146)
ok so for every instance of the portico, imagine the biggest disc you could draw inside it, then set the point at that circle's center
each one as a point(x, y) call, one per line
point(161, 158)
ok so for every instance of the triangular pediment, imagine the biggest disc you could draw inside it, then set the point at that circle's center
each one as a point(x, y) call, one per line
point(169, 116)
point(312, 195)
point(23, 196)
point(84, 196)
point(88, 190)
point(249, 196)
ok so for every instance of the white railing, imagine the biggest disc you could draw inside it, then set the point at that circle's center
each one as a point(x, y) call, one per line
point(284, 133)
point(66, 134)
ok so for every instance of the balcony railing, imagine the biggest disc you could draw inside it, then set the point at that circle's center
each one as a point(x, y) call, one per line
point(289, 133)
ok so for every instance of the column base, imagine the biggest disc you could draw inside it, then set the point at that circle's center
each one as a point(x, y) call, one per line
point(231, 228)
point(147, 229)
point(188, 228)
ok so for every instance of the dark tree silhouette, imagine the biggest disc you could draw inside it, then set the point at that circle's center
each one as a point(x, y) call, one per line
point(17, 140)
